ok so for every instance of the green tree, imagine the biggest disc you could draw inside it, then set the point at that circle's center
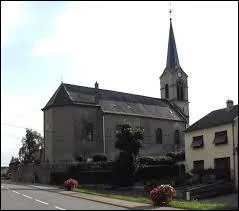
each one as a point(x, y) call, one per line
point(129, 139)
point(31, 143)
point(129, 142)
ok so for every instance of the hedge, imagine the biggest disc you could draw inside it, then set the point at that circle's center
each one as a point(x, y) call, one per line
point(160, 160)
point(99, 157)
point(156, 172)
point(176, 156)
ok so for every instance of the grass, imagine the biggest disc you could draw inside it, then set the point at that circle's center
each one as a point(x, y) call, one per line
point(192, 205)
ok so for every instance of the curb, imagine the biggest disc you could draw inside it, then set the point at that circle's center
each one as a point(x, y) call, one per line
point(59, 191)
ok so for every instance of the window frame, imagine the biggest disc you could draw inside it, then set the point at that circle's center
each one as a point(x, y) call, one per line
point(159, 136)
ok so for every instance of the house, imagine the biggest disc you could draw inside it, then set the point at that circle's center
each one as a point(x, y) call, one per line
point(212, 142)
point(82, 120)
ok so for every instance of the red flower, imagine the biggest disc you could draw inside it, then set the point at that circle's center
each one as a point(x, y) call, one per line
point(162, 194)
point(71, 182)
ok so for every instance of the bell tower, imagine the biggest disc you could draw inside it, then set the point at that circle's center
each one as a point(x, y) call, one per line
point(173, 81)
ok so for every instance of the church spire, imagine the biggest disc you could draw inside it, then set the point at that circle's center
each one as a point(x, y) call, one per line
point(172, 57)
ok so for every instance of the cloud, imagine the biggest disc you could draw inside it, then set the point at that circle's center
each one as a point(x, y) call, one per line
point(12, 17)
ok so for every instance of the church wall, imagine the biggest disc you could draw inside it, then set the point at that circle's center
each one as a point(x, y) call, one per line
point(84, 115)
point(150, 147)
point(48, 125)
point(62, 134)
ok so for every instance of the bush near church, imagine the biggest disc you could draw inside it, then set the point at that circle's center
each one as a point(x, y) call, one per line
point(99, 157)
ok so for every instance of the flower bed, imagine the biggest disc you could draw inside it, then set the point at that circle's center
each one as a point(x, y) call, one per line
point(162, 194)
point(70, 184)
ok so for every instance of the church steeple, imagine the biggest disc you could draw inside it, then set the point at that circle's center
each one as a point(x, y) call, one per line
point(172, 57)
point(173, 80)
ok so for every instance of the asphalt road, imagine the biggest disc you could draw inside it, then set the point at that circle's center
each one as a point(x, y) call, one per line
point(23, 197)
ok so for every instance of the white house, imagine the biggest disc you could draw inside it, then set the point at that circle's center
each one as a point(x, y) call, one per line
point(212, 142)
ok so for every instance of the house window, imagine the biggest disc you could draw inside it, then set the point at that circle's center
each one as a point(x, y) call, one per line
point(220, 137)
point(180, 92)
point(176, 137)
point(166, 91)
point(197, 142)
point(159, 136)
point(198, 165)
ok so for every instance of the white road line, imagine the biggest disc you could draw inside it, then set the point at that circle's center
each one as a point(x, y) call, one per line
point(41, 201)
point(15, 192)
point(59, 208)
point(27, 196)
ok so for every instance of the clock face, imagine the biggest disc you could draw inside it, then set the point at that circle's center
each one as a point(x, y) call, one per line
point(179, 74)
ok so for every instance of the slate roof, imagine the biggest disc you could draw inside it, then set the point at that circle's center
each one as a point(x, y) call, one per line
point(215, 118)
point(114, 102)
point(172, 57)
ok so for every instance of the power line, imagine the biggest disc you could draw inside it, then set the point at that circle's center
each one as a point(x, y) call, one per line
point(11, 125)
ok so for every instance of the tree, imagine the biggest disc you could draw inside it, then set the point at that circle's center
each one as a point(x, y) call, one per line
point(31, 143)
point(129, 139)
point(129, 142)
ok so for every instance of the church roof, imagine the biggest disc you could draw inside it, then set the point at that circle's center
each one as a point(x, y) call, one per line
point(172, 57)
point(114, 102)
point(215, 118)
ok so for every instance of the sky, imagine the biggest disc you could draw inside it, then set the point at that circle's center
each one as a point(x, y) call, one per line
point(120, 44)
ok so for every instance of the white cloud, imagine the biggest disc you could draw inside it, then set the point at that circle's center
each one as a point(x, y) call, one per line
point(12, 17)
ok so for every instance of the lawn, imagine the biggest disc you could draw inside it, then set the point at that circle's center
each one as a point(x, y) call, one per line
point(192, 205)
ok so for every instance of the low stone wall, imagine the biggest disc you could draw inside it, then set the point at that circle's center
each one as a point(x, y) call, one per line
point(36, 173)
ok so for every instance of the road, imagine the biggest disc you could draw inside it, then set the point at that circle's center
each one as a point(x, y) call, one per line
point(24, 197)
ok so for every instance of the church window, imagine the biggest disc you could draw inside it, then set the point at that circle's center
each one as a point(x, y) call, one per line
point(176, 137)
point(180, 91)
point(166, 91)
point(159, 136)
point(89, 132)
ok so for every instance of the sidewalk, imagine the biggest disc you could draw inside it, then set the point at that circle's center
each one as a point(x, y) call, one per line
point(101, 199)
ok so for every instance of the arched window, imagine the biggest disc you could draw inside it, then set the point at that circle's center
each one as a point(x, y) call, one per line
point(180, 91)
point(89, 132)
point(176, 137)
point(159, 136)
point(166, 91)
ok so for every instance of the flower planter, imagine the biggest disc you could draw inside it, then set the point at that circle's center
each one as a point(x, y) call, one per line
point(70, 188)
point(70, 184)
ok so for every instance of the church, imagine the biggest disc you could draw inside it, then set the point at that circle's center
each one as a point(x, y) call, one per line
point(82, 121)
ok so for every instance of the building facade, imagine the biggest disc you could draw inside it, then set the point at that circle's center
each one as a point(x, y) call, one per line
point(82, 120)
point(211, 142)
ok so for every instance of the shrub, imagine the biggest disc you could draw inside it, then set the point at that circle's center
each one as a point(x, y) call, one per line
point(68, 184)
point(182, 180)
point(176, 156)
point(156, 172)
point(99, 157)
point(80, 158)
point(162, 194)
point(160, 160)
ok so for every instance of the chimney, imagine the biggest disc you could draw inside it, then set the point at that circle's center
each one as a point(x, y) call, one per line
point(229, 104)
point(96, 93)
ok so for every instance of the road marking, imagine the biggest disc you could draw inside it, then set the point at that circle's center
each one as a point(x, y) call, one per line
point(27, 196)
point(59, 208)
point(41, 201)
point(15, 192)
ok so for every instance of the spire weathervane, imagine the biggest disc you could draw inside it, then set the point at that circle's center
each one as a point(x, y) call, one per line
point(170, 11)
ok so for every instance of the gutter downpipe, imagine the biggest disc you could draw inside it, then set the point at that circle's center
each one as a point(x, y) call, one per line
point(233, 153)
point(104, 131)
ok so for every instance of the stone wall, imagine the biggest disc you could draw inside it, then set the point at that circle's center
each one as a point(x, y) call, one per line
point(31, 173)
